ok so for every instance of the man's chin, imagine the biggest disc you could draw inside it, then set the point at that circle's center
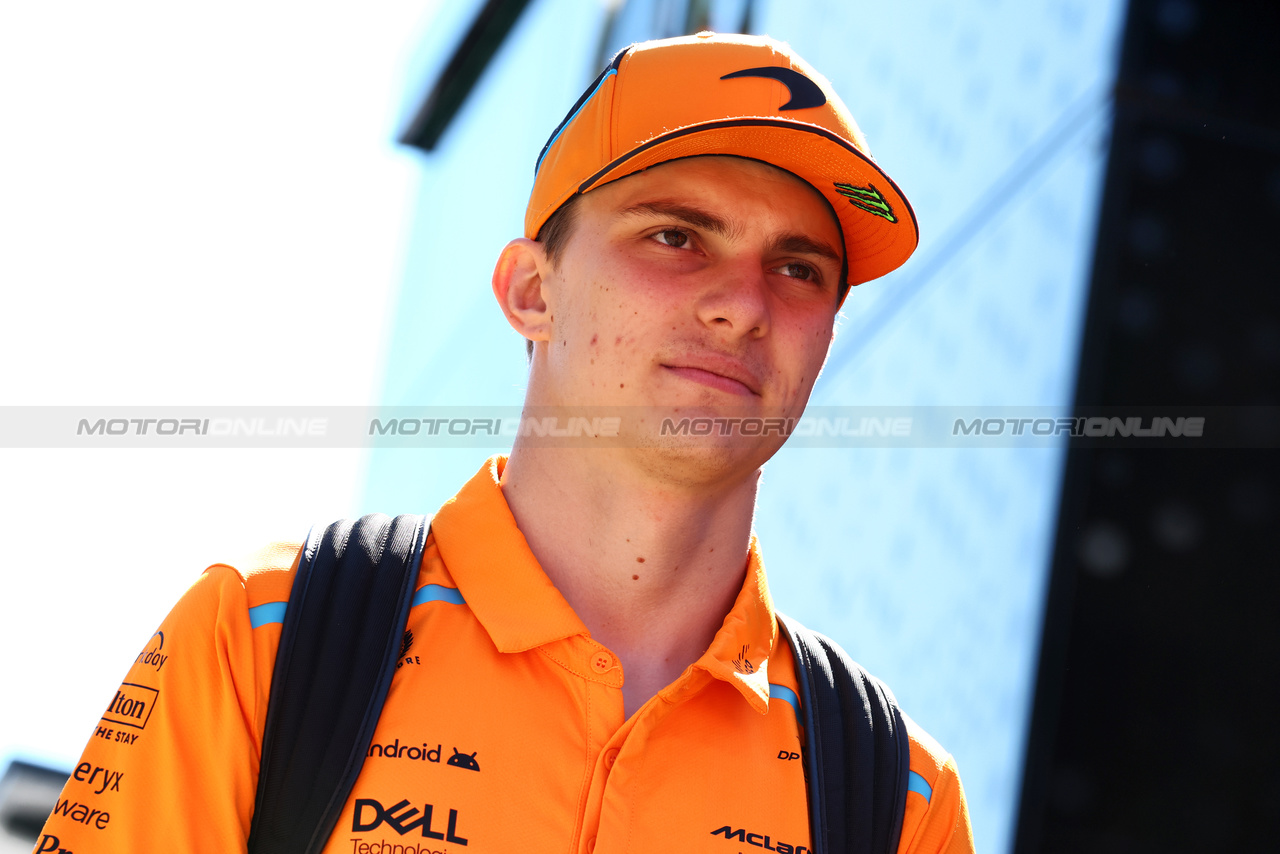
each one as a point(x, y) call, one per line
point(698, 466)
point(714, 426)
point(705, 441)
point(704, 448)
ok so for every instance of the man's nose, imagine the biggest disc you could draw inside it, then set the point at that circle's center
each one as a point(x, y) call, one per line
point(735, 300)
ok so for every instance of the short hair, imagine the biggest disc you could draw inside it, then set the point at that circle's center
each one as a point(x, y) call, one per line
point(556, 231)
point(554, 236)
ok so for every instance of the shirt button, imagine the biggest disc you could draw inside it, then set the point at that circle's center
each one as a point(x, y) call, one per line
point(610, 757)
point(601, 662)
point(591, 845)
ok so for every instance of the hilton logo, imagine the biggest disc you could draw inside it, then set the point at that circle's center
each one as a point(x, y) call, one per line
point(132, 705)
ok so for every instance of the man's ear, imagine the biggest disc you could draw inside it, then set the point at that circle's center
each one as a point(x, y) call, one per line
point(517, 283)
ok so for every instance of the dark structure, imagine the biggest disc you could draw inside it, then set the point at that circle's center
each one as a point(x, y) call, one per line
point(28, 793)
point(494, 22)
point(492, 25)
point(1156, 712)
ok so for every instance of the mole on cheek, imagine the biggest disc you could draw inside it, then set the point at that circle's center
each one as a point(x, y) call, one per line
point(635, 578)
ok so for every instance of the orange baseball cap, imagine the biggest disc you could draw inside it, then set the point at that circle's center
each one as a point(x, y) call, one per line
point(748, 96)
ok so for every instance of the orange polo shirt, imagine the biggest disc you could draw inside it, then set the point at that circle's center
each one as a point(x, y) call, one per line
point(503, 730)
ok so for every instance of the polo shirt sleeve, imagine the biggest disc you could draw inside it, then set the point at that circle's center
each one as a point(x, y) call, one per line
point(937, 818)
point(172, 765)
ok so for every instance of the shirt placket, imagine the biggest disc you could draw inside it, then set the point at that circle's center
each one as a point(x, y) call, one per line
point(602, 710)
point(616, 771)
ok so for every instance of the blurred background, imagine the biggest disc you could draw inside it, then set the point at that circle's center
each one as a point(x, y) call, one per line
point(298, 205)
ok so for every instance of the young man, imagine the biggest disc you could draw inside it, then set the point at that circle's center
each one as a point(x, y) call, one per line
point(592, 662)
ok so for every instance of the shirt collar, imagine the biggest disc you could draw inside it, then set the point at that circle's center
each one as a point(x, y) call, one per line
point(496, 574)
point(521, 609)
point(739, 653)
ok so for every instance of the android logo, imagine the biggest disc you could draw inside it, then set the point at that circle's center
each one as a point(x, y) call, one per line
point(464, 760)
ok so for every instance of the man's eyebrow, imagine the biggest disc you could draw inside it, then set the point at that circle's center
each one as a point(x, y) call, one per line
point(792, 244)
point(685, 213)
point(799, 244)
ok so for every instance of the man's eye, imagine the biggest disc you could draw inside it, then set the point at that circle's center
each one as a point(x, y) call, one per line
point(672, 237)
point(799, 271)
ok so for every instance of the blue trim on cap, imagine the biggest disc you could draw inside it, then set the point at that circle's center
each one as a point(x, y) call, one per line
point(265, 615)
point(568, 121)
point(917, 784)
point(437, 593)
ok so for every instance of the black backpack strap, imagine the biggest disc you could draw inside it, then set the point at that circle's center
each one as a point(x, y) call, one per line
point(338, 647)
point(857, 756)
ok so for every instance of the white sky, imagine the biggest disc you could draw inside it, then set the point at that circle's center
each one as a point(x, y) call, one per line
point(199, 204)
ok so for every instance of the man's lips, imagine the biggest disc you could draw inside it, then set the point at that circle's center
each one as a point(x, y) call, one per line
point(721, 373)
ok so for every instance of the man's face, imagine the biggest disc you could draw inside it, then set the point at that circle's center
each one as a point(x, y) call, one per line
point(703, 287)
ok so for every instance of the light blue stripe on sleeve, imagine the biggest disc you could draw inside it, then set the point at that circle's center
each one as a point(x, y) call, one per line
point(438, 593)
point(917, 784)
point(265, 615)
point(782, 692)
point(273, 612)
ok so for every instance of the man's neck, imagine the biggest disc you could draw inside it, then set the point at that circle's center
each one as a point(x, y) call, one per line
point(650, 568)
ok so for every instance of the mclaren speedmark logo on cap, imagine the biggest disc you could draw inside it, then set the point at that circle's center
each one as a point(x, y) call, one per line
point(804, 92)
point(867, 198)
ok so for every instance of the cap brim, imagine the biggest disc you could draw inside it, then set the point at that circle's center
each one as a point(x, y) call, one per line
point(879, 227)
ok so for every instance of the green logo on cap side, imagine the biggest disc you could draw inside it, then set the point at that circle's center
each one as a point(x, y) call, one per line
point(867, 198)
